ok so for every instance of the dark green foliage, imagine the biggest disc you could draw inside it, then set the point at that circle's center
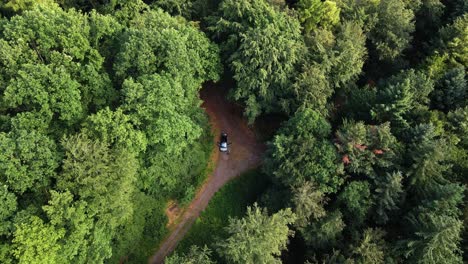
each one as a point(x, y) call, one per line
point(324, 232)
point(451, 91)
point(387, 195)
point(392, 32)
point(458, 122)
point(301, 152)
point(341, 57)
point(365, 148)
point(263, 47)
point(389, 24)
point(312, 89)
point(436, 226)
point(393, 102)
point(429, 17)
point(427, 157)
point(355, 199)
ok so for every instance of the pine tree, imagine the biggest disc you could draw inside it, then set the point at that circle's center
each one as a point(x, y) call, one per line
point(258, 237)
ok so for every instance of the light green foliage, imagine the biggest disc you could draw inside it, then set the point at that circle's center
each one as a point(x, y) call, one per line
point(308, 203)
point(55, 84)
point(28, 160)
point(70, 216)
point(230, 201)
point(102, 177)
point(103, 31)
point(349, 54)
point(392, 32)
point(371, 248)
point(163, 108)
point(258, 237)
point(8, 208)
point(387, 194)
point(165, 175)
point(366, 147)
point(57, 45)
point(157, 43)
point(356, 200)
point(146, 228)
point(116, 129)
point(104, 180)
point(32, 121)
point(37, 242)
point(21, 5)
point(40, 88)
point(453, 39)
point(301, 152)
point(196, 255)
point(313, 13)
point(167, 113)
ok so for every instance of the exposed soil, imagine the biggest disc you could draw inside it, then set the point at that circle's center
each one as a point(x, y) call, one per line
point(246, 153)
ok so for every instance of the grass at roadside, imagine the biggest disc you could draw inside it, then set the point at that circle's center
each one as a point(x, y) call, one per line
point(230, 201)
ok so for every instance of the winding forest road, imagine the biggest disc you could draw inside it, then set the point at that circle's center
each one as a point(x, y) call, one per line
point(246, 153)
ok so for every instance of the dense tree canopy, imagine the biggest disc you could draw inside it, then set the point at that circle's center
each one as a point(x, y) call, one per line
point(86, 116)
point(101, 126)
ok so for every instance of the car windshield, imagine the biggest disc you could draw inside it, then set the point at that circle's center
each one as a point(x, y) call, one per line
point(223, 137)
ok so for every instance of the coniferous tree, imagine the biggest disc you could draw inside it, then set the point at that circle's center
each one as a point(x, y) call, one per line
point(258, 237)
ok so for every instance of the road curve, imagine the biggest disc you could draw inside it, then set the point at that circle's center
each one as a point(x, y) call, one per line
point(246, 153)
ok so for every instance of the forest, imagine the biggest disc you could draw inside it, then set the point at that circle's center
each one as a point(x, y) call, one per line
point(101, 125)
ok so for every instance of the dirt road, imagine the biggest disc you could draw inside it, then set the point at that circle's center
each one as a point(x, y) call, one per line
point(245, 154)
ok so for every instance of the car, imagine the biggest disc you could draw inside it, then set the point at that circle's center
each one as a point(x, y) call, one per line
point(223, 143)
